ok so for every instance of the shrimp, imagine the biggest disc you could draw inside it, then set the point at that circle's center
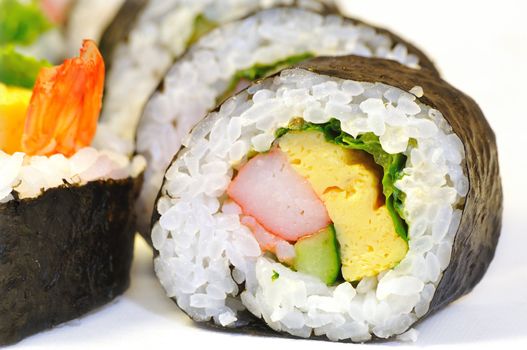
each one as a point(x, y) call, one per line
point(65, 105)
point(270, 190)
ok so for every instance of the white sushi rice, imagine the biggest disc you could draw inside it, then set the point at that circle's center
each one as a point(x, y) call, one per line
point(160, 34)
point(28, 176)
point(196, 81)
point(205, 253)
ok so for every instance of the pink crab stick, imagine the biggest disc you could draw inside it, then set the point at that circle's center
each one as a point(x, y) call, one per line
point(283, 202)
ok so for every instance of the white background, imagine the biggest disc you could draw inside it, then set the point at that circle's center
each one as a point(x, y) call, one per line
point(481, 48)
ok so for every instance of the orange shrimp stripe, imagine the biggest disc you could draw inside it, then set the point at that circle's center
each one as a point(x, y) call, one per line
point(65, 106)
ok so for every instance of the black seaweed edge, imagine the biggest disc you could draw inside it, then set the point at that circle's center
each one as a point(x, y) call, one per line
point(20, 319)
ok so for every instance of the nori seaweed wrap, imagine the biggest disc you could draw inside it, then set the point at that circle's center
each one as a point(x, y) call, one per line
point(63, 254)
point(235, 251)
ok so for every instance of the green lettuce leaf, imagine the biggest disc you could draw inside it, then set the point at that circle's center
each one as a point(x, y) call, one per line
point(202, 25)
point(21, 23)
point(17, 69)
point(392, 164)
point(259, 71)
point(262, 70)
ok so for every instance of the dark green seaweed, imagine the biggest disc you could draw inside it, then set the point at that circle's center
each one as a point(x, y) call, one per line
point(477, 236)
point(63, 254)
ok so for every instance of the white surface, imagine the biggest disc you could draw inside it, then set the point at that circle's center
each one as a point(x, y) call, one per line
point(481, 48)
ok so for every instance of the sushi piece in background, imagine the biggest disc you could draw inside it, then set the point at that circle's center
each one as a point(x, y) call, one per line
point(144, 40)
point(344, 199)
point(52, 29)
point(229, 57)
point(66, 219)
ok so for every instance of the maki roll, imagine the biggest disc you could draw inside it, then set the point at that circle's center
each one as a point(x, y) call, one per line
point(229, 57)
point(344, 199)
point(66, 224)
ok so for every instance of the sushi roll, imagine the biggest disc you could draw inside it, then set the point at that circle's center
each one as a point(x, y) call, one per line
point(229, 57)
point(344, 199)
point(66, 220)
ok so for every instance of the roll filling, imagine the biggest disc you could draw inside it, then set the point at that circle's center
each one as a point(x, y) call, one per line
point(342, 188)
